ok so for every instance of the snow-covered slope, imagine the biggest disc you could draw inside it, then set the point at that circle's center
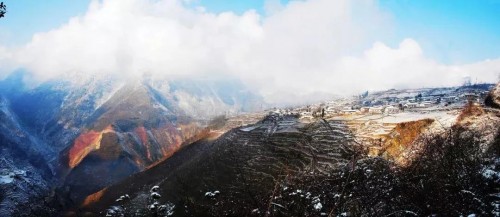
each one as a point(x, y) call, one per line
point(25, 176)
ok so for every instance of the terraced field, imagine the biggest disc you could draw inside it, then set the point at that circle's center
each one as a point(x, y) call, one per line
point(243, 165)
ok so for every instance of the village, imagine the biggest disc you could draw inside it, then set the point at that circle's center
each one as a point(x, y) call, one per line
point(372, 117)
point(393, 101)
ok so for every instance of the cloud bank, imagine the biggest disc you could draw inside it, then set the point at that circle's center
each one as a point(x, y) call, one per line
point(293, 52)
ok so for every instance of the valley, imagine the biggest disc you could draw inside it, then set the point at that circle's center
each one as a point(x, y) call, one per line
point(249, 108)
point(248, 164)
point(82, 137)
point(105, 160)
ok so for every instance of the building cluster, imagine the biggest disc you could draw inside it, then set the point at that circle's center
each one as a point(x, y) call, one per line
point(392, 102)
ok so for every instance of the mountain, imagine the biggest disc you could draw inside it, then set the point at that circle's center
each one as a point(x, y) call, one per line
point(25, 177)
point(284, 166)
point(242, 165)
point(56, 110)
point(93, 132)
point(149, 146)
point(135, 128)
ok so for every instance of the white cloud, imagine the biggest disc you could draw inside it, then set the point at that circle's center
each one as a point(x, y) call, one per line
point(272, 6)
point(299, 50)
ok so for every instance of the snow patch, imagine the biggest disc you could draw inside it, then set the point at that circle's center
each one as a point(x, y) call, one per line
point(155, 188)
point(317, 203)
point(7, 177)
point(318, 206)
point(212, 194)
point(155, 195)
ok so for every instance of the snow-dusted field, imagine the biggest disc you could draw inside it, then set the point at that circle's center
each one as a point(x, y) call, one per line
point(446, 117)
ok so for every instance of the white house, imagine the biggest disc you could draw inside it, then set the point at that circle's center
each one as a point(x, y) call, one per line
point(410, 105)
point(423, 105)
point(376, 110)
point(331, 110)
point(364, 109)
point(348, 111)
point(391, 110)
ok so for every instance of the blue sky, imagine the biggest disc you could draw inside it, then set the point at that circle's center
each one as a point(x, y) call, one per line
point(26, 17)
point(453, 31)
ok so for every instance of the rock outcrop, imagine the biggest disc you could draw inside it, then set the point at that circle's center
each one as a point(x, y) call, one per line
point(493, 98)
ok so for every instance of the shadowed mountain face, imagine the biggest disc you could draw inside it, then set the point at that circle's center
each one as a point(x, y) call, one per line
point(25, 178)
point(243, 165)
point(98, 131)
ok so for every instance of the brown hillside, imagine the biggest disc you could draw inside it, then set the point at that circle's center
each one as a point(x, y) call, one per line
point(402, 138)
